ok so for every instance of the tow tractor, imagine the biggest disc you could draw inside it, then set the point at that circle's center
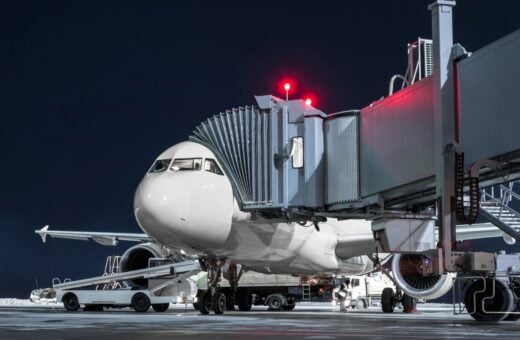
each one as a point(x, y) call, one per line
point(112, 290)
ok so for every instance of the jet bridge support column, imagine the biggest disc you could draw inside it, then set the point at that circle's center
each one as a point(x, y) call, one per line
point(444, 125)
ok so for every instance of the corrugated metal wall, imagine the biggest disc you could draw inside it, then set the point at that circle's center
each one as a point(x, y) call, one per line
point(489, 90)
point(342, 159)
point(397, 139)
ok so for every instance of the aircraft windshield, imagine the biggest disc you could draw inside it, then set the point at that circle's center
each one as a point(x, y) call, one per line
point(186, 164)
point(160, 165)
point(211, 166)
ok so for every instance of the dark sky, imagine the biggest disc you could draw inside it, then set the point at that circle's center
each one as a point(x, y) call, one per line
point(91, 92)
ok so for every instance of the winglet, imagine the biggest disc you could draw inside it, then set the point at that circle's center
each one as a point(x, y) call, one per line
point(43, 232)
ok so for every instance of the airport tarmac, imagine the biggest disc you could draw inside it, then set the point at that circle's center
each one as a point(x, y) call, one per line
point(307, 321)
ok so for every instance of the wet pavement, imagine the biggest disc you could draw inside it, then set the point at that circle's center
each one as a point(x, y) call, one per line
point(307, 321)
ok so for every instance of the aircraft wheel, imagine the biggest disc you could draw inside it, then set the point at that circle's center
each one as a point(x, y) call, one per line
point(218, 303)
point(388, 300)
point(275, 303)
point(483, 297)
point(204, 302)
point(244, 300)
point(408, 304)
point(70, 302)
point(141, 302)
point(160, 307)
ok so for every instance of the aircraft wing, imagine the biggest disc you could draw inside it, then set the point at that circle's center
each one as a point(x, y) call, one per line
point(477, 231)
point(106, 239)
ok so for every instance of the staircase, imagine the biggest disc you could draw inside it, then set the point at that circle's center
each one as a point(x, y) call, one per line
point(498, 205)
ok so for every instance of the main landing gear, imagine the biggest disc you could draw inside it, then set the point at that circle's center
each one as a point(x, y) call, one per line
point(390, 299)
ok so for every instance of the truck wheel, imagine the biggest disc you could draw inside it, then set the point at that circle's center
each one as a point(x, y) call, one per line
point(275, 303)
point(360, 304)
point(70, 302)
point(160, 307)
point(218, 303)
point(204, 302)
point(244, 300)
point(141, 302)
point(388, 300)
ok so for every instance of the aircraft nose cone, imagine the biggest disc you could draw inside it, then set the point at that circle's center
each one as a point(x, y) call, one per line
point(160, 203)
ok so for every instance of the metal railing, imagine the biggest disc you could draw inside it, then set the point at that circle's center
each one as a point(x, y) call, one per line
point(499, 202)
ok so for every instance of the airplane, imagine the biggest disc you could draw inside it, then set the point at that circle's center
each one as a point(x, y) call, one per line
point(186, 207)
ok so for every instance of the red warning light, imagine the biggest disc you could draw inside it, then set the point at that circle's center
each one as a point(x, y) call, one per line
point(308, 101)
point(287, 86)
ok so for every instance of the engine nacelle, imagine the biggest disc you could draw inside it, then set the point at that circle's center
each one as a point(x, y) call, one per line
point(137, 257)
point(408, 274)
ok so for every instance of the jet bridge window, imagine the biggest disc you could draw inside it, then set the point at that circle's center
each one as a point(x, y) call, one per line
point(160, 165)
point(186, 164)
point(212, 166)
point(297, 152)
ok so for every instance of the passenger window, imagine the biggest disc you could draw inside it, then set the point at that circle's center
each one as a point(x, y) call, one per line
point(160, 165)
point(212, 166)
point(186, 164)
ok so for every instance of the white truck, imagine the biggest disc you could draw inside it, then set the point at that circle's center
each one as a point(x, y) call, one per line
point(277, 292)
point(361, 291)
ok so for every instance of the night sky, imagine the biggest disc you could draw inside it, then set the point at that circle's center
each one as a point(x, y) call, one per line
point(91, 92)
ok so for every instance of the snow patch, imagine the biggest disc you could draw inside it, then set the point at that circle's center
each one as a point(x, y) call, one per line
point(13, 302)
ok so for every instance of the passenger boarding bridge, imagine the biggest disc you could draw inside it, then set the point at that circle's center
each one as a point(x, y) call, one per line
point(425, 152)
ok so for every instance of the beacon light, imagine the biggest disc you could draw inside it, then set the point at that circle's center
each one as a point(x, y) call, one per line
point(308, 101)
point(287, 86)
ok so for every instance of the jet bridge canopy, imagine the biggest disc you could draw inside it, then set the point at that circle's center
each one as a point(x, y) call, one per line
point(294, 160)
point(277, 153)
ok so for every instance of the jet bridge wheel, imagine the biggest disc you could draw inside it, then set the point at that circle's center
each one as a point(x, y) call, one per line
point(218, 302)
point(488, 300)
point(160, 307)
point(70, 302)
point(140, 302)
point(388, 300)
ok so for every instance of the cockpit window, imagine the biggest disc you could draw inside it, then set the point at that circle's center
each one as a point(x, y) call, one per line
point(212, 166)
point(160, 165)
point(186, 164)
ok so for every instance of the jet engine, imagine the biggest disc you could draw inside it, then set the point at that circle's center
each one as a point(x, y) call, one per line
point(408, 274)
point(137, 257)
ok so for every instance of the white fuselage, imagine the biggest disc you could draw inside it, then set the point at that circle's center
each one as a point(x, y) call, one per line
point(186, 204)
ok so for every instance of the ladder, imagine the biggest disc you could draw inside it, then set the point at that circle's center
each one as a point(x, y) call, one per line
point(111, 267)
point(306, 292)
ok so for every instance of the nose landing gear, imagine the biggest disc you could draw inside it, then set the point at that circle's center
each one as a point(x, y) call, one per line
point(216, 299)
